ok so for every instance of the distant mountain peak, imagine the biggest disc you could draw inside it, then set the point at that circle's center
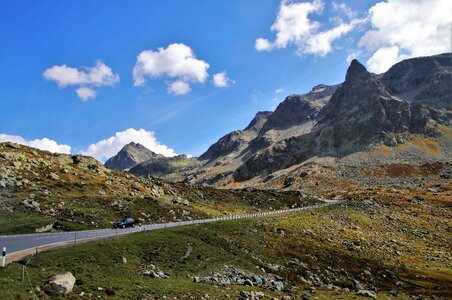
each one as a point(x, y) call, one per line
point(130, 155)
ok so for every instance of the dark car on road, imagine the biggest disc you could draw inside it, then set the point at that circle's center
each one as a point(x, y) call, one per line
point(124, 223)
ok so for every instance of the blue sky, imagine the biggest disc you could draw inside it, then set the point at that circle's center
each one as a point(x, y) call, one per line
point(36, 36)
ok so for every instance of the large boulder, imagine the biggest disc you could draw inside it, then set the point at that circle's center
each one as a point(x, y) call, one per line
point(62, 283)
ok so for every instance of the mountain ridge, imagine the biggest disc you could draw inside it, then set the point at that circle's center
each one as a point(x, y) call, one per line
point(409, 101)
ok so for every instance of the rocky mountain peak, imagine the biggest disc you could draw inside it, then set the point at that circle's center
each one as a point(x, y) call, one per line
point(298, 109)
point(258, 121)
point(356, 73)
point(130, 155)
point(133, 145)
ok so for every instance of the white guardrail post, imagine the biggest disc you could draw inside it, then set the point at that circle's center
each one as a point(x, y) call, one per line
point(3, 257)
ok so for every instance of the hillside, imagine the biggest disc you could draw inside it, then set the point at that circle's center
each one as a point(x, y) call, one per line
point(162, 166)
point(42, 191)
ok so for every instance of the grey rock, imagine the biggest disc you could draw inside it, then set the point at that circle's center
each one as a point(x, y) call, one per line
point(277, 285)
point(44, 228)
point(367, 293)
point(62, 283)
point(247, 282)
point(244, 295)
point(180, 200)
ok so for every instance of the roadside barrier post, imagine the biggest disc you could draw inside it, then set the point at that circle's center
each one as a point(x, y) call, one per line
point(3, 257)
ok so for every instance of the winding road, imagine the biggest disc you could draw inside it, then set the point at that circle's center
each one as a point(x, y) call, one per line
point(19, 246)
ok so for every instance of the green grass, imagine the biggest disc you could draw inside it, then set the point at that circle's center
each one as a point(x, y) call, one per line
point(100, 264)
point(18, 223)
point(254, 244)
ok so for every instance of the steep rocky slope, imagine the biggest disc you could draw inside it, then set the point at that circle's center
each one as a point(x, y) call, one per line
point(425, 80)
point(298, 109)
point(235, 142)
point(360, 113)
point(130, 155)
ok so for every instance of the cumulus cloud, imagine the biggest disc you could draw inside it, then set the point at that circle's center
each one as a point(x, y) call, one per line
point(293, 26)
point(178, 87)
point(321, 43)
point(109, 147)
point(85, 78)
point(221, 79)
point(263, 45)
point(43, 144)
point(383, 59)
point(85, 93)
point(403, 29)
point(176, 61)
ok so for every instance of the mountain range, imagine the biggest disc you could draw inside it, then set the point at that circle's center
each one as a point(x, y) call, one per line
point(411, 100)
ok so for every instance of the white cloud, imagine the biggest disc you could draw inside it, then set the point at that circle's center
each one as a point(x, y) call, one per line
point(85, 93)
point(43, 144)
point(279, 90)
point(99, 75)
point(263, 45)
point(176, 61)
point(321, 43)
point(342, 7)
point(404, 29)
point(383, 59)
point(178, 87)
point(293, 26)
point(109, 147)
point(221, 79)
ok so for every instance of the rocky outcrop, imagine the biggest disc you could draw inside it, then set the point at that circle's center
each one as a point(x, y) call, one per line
point(129, 156)
point(62, 283)
point(234, 276)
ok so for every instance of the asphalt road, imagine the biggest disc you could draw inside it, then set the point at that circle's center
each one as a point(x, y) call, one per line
point(18, 243)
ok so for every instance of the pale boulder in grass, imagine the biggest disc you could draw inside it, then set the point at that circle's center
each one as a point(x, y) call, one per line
point(62, 283)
